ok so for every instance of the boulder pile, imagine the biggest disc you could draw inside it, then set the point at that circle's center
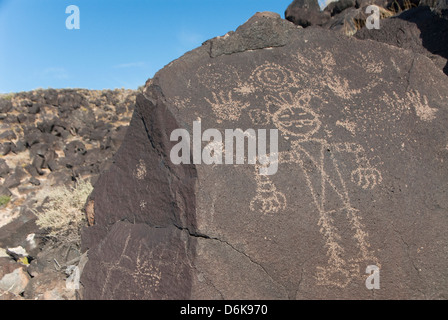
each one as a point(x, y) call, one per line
point(349, 16)
point(50, 138)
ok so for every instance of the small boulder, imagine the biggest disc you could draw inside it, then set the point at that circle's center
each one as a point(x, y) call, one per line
point(34, 108)
point(12, 181)
point(4, 168)
point(34, 181)
point(306, 13)
point(15, 282)
point(8, 135)
point(5, 105)
point(5, 148)
point(21, 118)
point(336, 7)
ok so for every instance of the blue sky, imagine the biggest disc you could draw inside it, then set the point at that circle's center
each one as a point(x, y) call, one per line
point(120, 43)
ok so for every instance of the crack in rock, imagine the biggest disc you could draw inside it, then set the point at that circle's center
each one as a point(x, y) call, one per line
point(203, 236)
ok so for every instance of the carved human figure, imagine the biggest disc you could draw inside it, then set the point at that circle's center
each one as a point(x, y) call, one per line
point(298, 123)
point(317, 156)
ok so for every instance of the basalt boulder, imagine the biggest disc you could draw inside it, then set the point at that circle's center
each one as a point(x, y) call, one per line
point(359, 194)
point(306, 13)
point(418, 29)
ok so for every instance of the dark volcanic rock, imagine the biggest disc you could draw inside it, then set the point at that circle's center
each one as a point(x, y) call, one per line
point(361, 181)
point(75, 148)
point(305, 4)
point(346, 22)
point(12, 181)
point(418, 29)
point(306, 13)
point(5, 148)
point(339, 6)
point(4, 168)
point(5, 105)
point(5, 192)
point(33, 109)
point(8, 135)
point(258, 34)
point(143, 261)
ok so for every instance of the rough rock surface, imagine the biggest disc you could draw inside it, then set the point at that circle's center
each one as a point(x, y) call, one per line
point(306, 13)
point(362, 177)
point(418, 29)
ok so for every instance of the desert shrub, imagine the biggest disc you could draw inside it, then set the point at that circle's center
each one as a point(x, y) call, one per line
point(61, 212)
point(6, 96)
point(4, 200)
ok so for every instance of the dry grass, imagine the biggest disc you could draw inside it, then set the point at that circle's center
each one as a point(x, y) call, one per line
point(61, 213)
point(396, 8)
point(360, 22)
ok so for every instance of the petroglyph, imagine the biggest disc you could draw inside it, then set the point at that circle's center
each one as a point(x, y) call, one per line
point(294, 117)
point(294, 111)
point(225, 107)
point(370, 64)
point(268, 199)
point(341, 87)
point(145, 275)
point(273, 77)
point(348, 125)
point(217, 79)
point(114, 266)
point(140, 171)
point(423, 110)
point(180, 103)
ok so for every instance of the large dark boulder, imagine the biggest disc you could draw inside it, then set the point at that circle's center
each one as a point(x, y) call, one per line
point(306, 13)
point(361, 180)
point(336, 7)
point(418, 29)
point(5, 105)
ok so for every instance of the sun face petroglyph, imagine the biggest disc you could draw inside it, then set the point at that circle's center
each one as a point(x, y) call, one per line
point(293, 116)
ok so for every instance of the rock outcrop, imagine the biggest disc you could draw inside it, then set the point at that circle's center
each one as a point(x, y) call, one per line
point(306, 13)
point(349, 16)
point(361, 180)
point(418, 29)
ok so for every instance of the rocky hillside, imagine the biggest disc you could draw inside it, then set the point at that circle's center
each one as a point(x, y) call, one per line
point(51, 138)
